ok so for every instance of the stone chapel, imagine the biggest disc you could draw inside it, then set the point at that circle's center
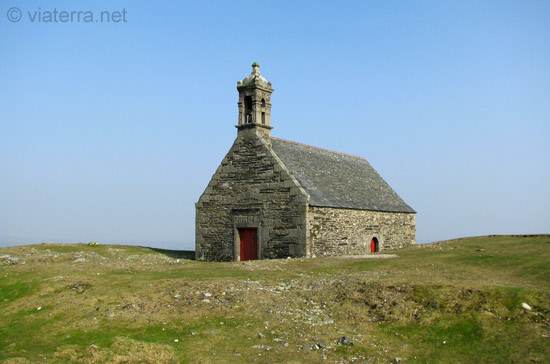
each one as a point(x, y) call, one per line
point(274, 198)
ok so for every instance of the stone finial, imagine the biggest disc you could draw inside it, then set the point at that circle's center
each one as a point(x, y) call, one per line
point(255, 80)
point(256, 68)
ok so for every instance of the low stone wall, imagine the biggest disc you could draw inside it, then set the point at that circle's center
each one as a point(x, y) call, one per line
point(333, 231)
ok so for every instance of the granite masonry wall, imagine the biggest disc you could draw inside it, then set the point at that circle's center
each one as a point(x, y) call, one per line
point(251, 189)
point(333, 231)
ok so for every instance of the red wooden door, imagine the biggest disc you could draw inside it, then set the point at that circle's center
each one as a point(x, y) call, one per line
point(249, 244)
point(373, 246)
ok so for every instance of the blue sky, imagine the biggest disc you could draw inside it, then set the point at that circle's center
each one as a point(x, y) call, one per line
point(110, 132)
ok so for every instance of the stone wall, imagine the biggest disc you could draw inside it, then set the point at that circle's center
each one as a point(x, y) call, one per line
point(251, 189)
point(333, 231)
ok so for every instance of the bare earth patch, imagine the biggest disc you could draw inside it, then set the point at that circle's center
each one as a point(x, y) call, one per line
point(369, 256)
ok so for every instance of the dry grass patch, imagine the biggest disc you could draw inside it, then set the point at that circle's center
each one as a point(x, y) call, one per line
point(457, 301)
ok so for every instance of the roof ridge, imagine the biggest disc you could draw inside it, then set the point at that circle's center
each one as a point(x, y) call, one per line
point(323, 149)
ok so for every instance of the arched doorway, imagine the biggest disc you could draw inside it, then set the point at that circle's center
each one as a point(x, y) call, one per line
point(374, 245)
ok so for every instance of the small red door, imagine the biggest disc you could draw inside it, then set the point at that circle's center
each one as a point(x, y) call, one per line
point(249, 244)
point(373, 247)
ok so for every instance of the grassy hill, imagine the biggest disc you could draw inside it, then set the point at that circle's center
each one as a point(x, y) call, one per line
point(474, 300)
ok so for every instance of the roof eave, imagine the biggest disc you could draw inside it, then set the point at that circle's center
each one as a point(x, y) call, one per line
point(411, 211)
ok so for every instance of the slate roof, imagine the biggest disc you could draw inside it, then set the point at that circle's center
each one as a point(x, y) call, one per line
point(335, 179)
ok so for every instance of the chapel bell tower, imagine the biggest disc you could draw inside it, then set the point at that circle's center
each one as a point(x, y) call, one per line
point(255, 103)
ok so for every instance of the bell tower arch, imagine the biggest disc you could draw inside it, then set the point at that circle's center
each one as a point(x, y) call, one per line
point(255, 103)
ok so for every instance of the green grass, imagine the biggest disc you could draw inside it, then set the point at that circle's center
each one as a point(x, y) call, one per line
point(458, 301)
